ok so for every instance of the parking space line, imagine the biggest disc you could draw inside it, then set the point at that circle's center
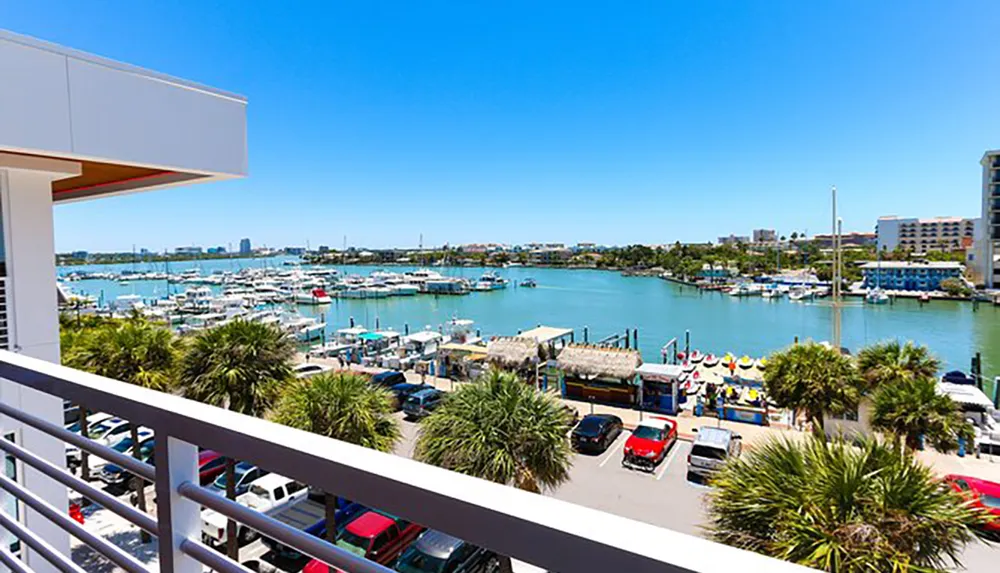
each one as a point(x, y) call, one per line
point(620, 441)
point(670, 458)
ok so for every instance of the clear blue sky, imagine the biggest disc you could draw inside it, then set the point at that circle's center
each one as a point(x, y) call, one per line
point(554, 121)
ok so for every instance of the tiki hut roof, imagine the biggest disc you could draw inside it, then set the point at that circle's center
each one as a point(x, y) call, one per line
point(599, 361)
point(512, 352)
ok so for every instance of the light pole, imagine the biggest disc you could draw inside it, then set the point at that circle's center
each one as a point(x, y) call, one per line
point(837, 225)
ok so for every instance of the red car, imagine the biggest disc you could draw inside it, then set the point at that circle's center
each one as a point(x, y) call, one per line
point(983, 494)
point(375, 536)
point(649, 443)
point(210, 465)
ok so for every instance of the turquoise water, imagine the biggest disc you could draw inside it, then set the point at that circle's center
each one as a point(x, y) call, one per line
point(607, 303)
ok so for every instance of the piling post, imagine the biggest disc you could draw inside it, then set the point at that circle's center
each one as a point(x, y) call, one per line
point(586, 337)
point(626, 339)
point(352, 322)
point(406, 329)
point(687, 343)
point(377, 324)
point(635, 338)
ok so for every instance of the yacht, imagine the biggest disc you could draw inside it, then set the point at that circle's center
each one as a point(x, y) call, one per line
point(800, 293)
point(876, 296)
point(314, 296)
point(304, 328)
point(490, 281)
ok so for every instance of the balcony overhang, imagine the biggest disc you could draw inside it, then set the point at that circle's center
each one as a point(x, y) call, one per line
point(130, 129)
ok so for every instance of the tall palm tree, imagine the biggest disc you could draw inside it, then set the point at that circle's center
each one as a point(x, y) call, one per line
point(911, 408)
point(133, 351)
point(814, 378)
point(890, 362)
point(837, 507)
point(502, 430)
point(239, 366)
point(342, 406)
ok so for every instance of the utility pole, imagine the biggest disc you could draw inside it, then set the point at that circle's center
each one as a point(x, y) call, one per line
point(836, 272)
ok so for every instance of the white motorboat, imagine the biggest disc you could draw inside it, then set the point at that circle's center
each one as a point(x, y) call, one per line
point(490, 281)
point(304, 328)
point(876, 296)
point(314, 296)
point(801, 293)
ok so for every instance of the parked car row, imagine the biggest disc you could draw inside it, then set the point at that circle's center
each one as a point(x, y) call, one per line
point(653, 438)
point(415, 400)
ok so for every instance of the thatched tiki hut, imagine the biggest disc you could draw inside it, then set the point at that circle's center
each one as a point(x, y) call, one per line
point(512, 353)
point(600, 374)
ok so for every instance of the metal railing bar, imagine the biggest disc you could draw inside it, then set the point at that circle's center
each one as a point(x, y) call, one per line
point(69, 480)
point(211, 558)
point(300, 540)
point(12, 562)
point(549, 533)
point(128, 462)
point(102, 546)
point(42, 547)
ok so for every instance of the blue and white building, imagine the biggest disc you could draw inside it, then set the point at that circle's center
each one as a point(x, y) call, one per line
point(909, 275)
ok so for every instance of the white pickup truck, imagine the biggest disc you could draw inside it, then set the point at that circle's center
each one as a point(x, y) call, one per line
point(268, 495)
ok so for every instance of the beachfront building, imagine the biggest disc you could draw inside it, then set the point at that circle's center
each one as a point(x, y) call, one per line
point(925, 235)
point(245, 246)
point(734, 240)
point(847, 240)
point(75, 126)
point(989, 232)
point(764, 236)
point(909, 275)
point(188, 251)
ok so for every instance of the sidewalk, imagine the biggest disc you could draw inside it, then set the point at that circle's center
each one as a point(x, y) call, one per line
point(984, 468)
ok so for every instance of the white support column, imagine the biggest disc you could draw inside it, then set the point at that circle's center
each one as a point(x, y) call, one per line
point(33, 322)
point(178, 518)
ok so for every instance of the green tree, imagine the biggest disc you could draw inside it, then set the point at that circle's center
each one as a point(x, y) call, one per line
point(955, 287)
point(502, 430)
point(839, 507)
point(239, 366)
point(132, 351)
point(342, 406)
point(814, 378)
point(499, 429)
point(890, 362)
point(911, 408)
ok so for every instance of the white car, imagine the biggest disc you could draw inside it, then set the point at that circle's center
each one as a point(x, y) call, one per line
point(267, 495)
point(310, 369)
point(93, 422)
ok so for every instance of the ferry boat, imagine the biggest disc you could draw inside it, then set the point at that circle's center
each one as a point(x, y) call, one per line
point(490, 281)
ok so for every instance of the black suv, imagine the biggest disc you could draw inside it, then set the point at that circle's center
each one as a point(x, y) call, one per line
point(434, 552)
point(388, 379)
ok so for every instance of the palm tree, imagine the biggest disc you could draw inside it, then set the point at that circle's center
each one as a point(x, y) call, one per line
point(133, 351)
point(342, 406)
point(815, 378)
point(239, 366)
point(911, 408)
point(890, 362)
point(502, 430)
point(499, 429)
point(839, 507)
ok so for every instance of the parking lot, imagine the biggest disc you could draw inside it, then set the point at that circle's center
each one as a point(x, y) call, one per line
point(664, 498)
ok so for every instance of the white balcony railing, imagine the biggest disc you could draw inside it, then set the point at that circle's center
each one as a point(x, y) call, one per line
point(551, 534)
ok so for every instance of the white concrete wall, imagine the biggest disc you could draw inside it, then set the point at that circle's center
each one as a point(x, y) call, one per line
point(59, 102)
point(33, 323)
point(849, 428)
point(888, 233)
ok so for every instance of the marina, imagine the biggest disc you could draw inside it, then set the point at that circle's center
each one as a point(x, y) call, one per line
point(601, 302)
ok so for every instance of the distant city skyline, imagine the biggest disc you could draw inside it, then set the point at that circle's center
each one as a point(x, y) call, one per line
point(646, 123)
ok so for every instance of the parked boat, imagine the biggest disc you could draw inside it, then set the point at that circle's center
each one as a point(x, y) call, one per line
point(696, 357)
point(711, 360)
point(876, 296)
point(745, 361)
point(314, 296)
point(490, 281)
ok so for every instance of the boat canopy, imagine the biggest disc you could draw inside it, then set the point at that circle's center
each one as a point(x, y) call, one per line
point(371, 336)
point(353, 331)
point(544, 334)
point(965, 395)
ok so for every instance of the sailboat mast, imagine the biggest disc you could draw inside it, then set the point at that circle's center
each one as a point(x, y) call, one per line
point(836, 273)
